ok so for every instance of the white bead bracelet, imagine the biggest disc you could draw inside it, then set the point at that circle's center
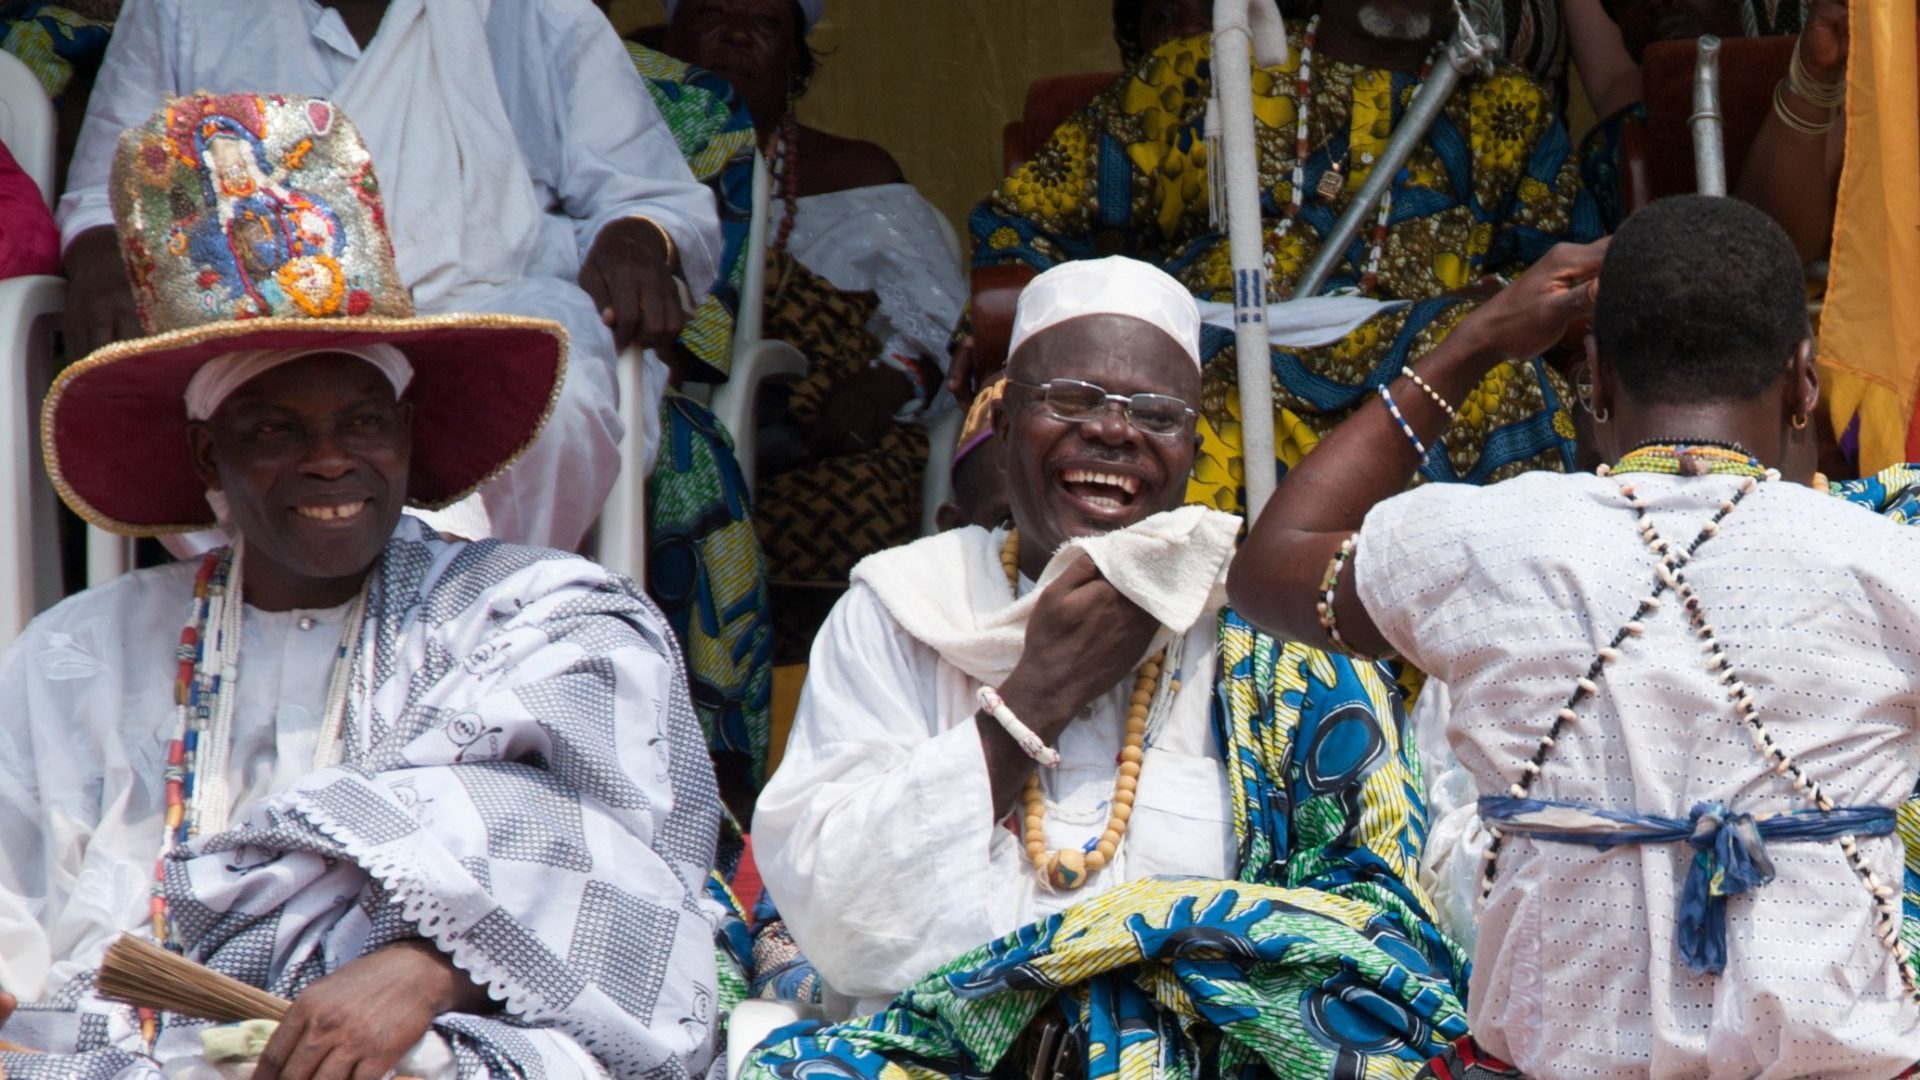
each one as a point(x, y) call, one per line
point(992, 703)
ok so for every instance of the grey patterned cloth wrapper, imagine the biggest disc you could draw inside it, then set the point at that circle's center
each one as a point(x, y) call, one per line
point(525, 785)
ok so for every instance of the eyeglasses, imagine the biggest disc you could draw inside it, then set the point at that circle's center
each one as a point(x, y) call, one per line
point(1077, 402)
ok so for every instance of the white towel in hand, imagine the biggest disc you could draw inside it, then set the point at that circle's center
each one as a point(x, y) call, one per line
point(950, 591)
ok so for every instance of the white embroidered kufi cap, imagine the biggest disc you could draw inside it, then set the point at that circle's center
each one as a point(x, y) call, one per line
point(1115, 285)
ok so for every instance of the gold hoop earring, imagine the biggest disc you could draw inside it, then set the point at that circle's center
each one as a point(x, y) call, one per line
point(1800, 421)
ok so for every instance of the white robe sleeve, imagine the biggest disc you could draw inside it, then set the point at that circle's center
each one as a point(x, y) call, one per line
point(874, 834)
point(589, 128)
point(62, 703)
point(138, 73)
point(24, 952)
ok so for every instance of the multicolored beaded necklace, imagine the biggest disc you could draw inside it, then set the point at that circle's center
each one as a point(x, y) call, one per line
point(198, 801)
point(1333, 180)
point(1692, 459)
point(1070, 868)
point(1674, 458)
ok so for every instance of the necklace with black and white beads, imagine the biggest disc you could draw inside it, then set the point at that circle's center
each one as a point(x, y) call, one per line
point(1671, 576)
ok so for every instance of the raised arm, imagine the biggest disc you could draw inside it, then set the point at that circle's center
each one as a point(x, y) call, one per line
point(1611, 78)
point(1793, 169)
point(1277, 579)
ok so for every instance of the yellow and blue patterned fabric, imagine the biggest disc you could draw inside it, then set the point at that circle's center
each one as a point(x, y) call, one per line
point(1893, 493)
point(715, 134)
point(706, 571)
point(51, 39)
point(1492, 186)
point(1600, 163)
point(1320, 961)
point(704, 564)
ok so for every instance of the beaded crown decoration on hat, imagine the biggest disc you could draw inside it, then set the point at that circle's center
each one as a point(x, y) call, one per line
point(288, 220)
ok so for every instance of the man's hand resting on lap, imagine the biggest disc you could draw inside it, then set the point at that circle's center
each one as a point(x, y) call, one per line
point(358, 1022)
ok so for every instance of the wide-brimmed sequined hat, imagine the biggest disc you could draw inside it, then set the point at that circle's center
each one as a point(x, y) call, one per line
point(255, 222)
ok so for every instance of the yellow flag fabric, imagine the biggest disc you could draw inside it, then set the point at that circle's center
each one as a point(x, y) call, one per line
point(1870, 327)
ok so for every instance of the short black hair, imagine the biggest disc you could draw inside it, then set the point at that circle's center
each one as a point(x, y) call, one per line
point(1701, 299)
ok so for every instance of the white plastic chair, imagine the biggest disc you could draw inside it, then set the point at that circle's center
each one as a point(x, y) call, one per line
point(622, 545)
point(27, 123)
point(28, 308)
point(623, 526)
point(943, 435)
point(753, 1020)
point(755, 359)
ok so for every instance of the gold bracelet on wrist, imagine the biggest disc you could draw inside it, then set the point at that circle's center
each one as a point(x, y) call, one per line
point(1789, 118)
point(673, 253)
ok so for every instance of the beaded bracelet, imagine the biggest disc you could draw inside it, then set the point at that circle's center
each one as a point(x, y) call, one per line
point(1406, 429)
point(1328, 620)
point(1432, 393)
point(995, 706)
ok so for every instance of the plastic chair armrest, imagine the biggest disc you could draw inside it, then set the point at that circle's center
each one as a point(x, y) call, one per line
point(753, 1020)
point(734, 400)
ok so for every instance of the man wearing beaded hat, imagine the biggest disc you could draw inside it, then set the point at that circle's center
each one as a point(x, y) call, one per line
point(951, 828)
point(449, 798)
point(526, 170)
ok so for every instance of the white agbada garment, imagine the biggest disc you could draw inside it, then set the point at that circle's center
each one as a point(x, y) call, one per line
point(1505, 593)
point(593, 146)
point(877, 836)
point(88, 696)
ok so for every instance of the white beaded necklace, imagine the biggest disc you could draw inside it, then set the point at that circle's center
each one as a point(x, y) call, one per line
point(216, 673)
point(1303, 107)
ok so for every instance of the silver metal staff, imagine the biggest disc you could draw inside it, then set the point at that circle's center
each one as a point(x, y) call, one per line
point(1467, 52)
point(1709, 155)
point(1240, 26)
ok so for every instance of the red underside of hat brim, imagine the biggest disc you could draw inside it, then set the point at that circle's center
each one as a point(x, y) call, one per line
point(114, 429)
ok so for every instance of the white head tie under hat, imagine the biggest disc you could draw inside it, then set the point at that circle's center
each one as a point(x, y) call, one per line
point(810, 10)
point(1115, 285)
point(217, 379)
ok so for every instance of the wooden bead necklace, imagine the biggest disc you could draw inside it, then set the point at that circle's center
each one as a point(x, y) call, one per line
point(1069, 868)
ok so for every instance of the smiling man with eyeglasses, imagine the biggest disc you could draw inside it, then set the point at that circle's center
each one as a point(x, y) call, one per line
point(1035, 769)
